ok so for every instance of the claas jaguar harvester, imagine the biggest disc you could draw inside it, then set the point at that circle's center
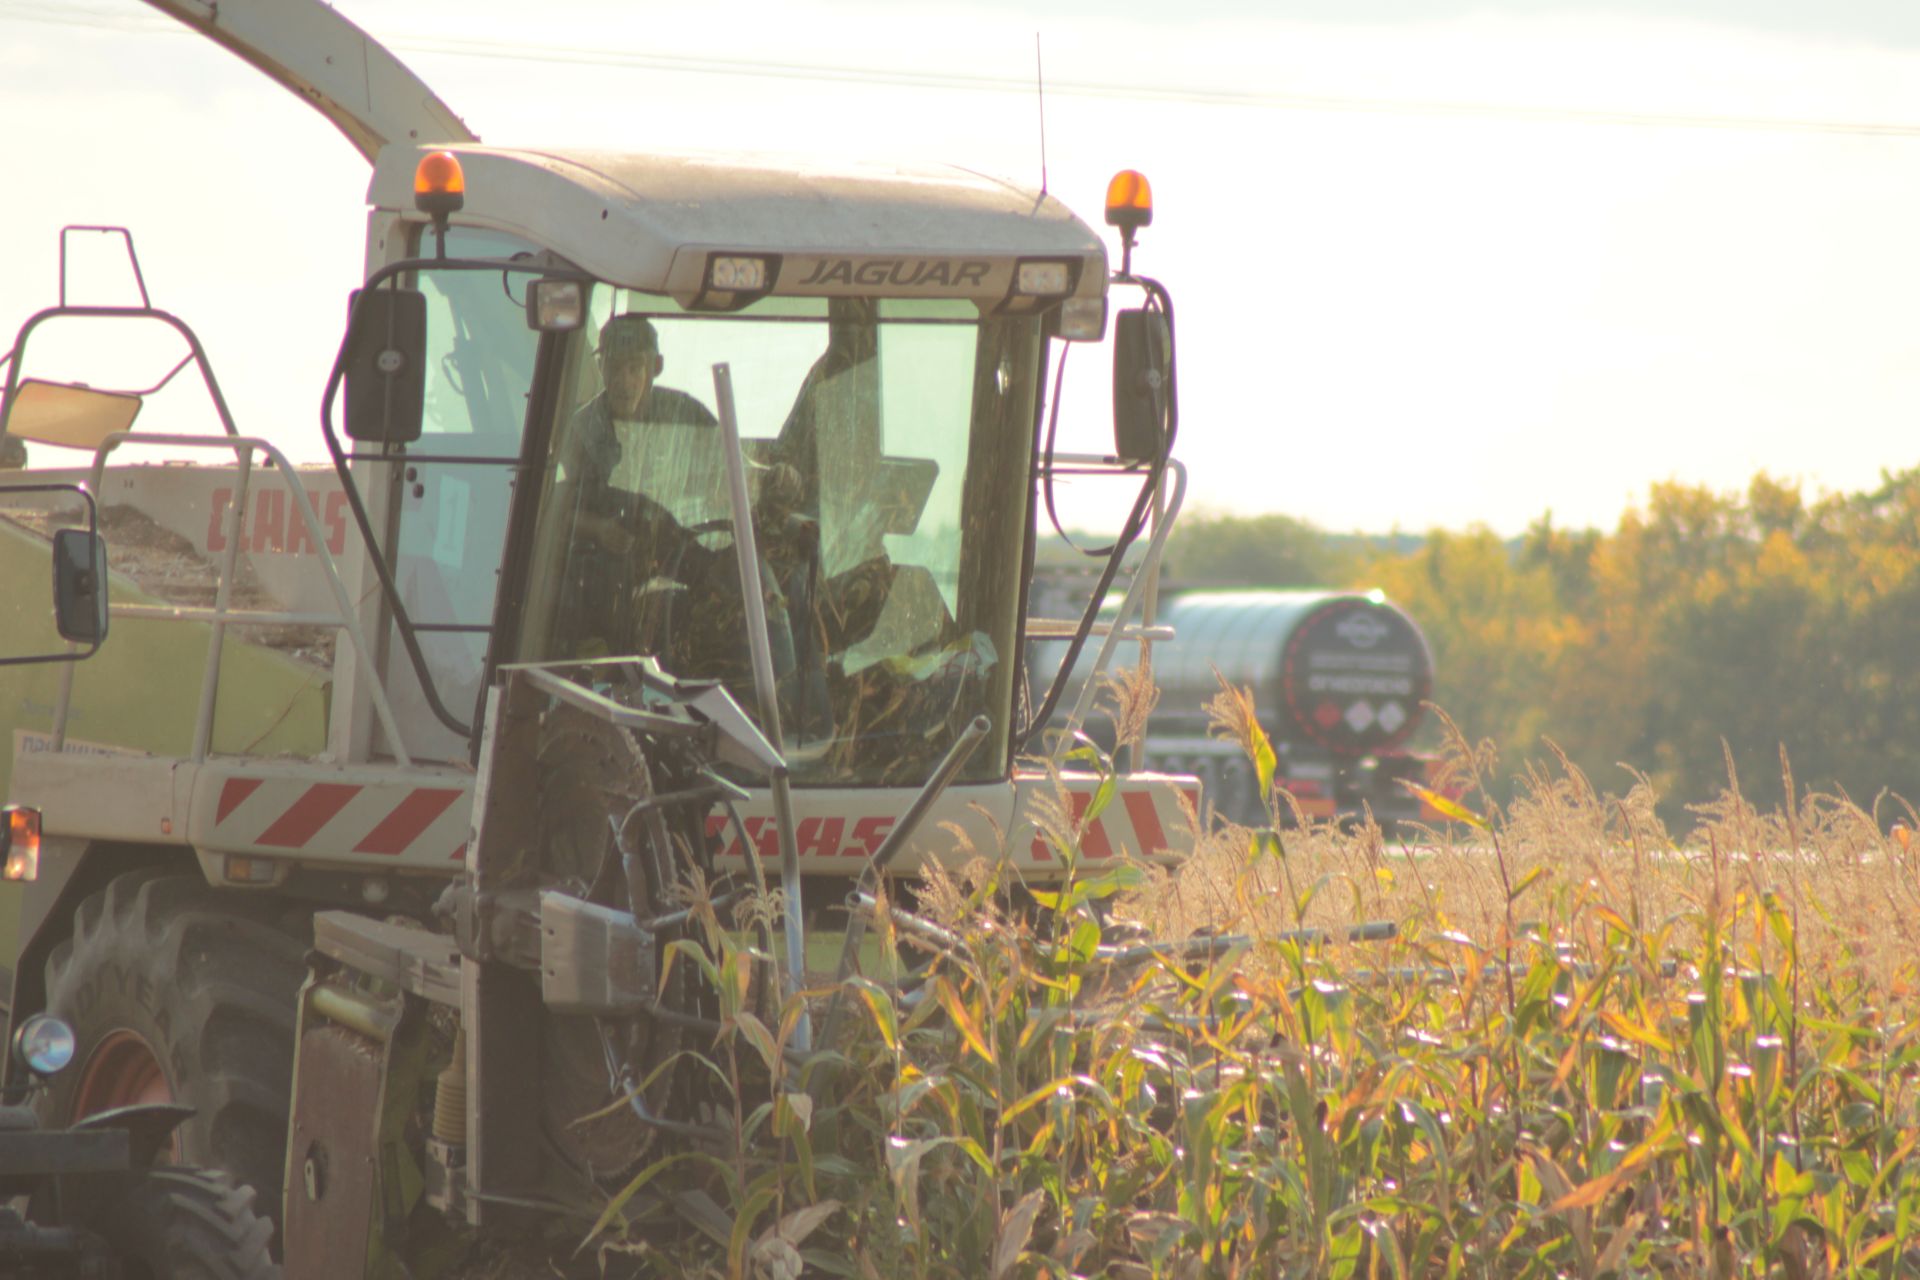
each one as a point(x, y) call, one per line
point(679, 527)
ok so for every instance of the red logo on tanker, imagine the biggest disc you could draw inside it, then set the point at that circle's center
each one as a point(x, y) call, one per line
point(1344, 660)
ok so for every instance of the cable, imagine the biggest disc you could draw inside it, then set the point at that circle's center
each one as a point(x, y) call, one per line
point(1047, 450)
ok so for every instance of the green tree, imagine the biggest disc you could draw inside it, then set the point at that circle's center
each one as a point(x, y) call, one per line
point(1253, 551)
point(1759, 619)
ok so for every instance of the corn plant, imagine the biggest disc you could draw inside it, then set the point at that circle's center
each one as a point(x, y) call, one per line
point(1584, 1048)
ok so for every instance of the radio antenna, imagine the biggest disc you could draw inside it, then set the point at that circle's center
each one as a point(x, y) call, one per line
point(1040, 92)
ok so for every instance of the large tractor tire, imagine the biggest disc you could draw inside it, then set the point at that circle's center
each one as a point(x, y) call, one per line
point(187, 1224)
point(178, 992)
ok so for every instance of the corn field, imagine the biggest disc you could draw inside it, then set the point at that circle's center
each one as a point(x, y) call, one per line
point(1552, 1040)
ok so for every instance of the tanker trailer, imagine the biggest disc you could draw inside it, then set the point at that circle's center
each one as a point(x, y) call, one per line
point(1339, 681)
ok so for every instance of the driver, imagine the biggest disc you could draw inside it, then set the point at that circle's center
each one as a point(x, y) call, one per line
point(645, 463)
point(655, 439)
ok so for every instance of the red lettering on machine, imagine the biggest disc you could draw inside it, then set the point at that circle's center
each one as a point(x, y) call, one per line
point(273, 522)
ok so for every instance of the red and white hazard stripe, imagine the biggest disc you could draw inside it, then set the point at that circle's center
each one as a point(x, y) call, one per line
point(364, 817)
point(334, 819)
point(1137, 821)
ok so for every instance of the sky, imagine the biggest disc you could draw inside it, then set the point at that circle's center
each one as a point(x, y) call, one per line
point(1435, 264)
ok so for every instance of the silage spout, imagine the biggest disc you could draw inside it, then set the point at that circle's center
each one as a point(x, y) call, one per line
point(312, 51)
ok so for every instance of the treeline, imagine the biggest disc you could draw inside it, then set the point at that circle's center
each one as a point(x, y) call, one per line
point(1761, 619)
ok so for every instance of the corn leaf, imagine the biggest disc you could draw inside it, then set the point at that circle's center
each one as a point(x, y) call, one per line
point(1637, 1032)
point(963, 1019)
point(1446, 806)
point(1016, 1228)
point(1265, 763)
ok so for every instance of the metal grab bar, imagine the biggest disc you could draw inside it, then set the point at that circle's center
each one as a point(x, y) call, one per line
point(1137, 591)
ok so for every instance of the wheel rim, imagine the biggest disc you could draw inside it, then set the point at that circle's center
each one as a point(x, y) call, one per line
point(121, 1071)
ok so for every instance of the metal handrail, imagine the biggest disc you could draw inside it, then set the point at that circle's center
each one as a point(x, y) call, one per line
point(221, 616)
point(133, 258)
point(1065, 628)
point(196, 353)
point(1144, 582)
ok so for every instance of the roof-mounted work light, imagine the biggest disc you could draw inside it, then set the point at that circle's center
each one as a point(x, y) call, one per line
point(1129, 207)
point(439, 191)
point(735, 280)
point(1044, 277)
point(555, 306)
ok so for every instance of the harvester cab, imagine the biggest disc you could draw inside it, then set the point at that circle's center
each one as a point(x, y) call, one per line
point(561, 492)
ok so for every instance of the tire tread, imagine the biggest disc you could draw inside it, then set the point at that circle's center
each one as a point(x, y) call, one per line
point(210, 977)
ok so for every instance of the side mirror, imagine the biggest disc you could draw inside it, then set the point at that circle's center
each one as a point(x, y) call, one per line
point(386, 365)
point(1142, 383)
point(80, 586)
point(29, 632)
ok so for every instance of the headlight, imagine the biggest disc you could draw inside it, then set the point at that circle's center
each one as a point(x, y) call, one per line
point(44, 1045)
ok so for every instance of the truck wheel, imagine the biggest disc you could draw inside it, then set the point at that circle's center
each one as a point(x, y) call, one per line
point(180, 992)
point(187, 1224)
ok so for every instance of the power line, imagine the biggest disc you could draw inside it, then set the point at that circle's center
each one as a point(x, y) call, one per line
point(76, 16)
point(691, 64)
point(472, 48)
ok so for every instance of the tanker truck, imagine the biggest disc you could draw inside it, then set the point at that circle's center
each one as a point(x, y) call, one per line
point(1340, 682)
point(663, 649)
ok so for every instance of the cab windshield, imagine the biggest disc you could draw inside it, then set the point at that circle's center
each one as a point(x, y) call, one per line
point(887, 446)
